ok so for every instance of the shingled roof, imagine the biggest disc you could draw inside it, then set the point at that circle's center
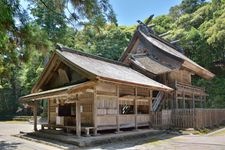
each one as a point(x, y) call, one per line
point(107, 69)
point(168, 48)
point(147, 63)
point(97, 68)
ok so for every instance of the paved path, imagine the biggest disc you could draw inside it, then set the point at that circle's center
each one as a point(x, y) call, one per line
point(8, 142)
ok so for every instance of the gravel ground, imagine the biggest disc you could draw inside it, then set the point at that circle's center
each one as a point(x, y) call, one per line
point(172, 142)
point(8, 142)
point(160, 142)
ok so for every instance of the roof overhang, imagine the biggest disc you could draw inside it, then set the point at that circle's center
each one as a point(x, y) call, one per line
point(59, 92)
point(162, 87)
point(198, 70)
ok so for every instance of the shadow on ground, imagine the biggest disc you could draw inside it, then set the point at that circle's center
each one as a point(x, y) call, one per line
point(4, 145)
point(127, 144)
point(111, 144)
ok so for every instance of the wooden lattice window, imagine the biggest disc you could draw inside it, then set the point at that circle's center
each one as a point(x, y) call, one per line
point(126, 106)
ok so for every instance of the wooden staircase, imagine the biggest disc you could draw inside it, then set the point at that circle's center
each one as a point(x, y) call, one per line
point(157, 101)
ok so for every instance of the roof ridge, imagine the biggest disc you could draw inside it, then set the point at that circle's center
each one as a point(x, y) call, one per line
point(67, 49)
point(161, 40)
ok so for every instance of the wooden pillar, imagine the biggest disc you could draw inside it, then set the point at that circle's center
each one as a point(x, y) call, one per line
point(183, 96)
point(176, 100)
point(118, 108)
point(35, 107)
point(150, 108)
point(49, 111)
point(193, 100)
point(135, 108)
point(204, 97)
point(95, 111)
point(171, 101)
point(78, 119)
point(201, 101)
point(163, 104)
point(175, 97)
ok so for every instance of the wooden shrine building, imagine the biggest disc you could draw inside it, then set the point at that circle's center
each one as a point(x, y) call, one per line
point(86, 92)
point(160, 60)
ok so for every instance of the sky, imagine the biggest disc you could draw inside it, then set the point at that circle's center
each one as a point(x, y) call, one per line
point(129, 11)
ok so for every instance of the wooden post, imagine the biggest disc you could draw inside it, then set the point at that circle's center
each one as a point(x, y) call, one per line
point(150, 108)
point(35, 107)
point(176, 100)
point(193, 100)
point(201, 97)
point(118, 108)
point(204, 101)
point(183, 99)
point(175, 97)
point(135, 108)
point(171, 101)
point(49, 112)
point(78, 119)
point(95, 111)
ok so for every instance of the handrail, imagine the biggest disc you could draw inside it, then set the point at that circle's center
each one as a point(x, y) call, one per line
point(189, 86)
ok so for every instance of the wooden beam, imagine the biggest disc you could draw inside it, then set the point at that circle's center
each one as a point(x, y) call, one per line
point(171, 102)
point(151, 25)
point(204, 101)
point(135, 108)
point(201, 101)
point(35, 107)
point(175, 41)
point(149, 19)
point(118, 108)
point(164, 34)
point(193, 100)
point(78, 119)
point(176, 100)
point(46, 73)
point(108, 80)
point(175, 96)
point(183, 95)
point(94, 109)
point(150, 108)
point(49, 111)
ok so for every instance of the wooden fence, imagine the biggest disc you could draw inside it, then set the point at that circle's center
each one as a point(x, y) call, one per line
point(162, 119)
point(188, 118)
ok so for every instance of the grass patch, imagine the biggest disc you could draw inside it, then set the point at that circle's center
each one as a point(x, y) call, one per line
point(222, 132)
point(154, 141)
point(195, 132)
point(204, 131)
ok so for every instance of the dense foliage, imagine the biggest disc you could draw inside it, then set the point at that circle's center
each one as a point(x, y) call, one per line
point(27, 38)
point(200, 27)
